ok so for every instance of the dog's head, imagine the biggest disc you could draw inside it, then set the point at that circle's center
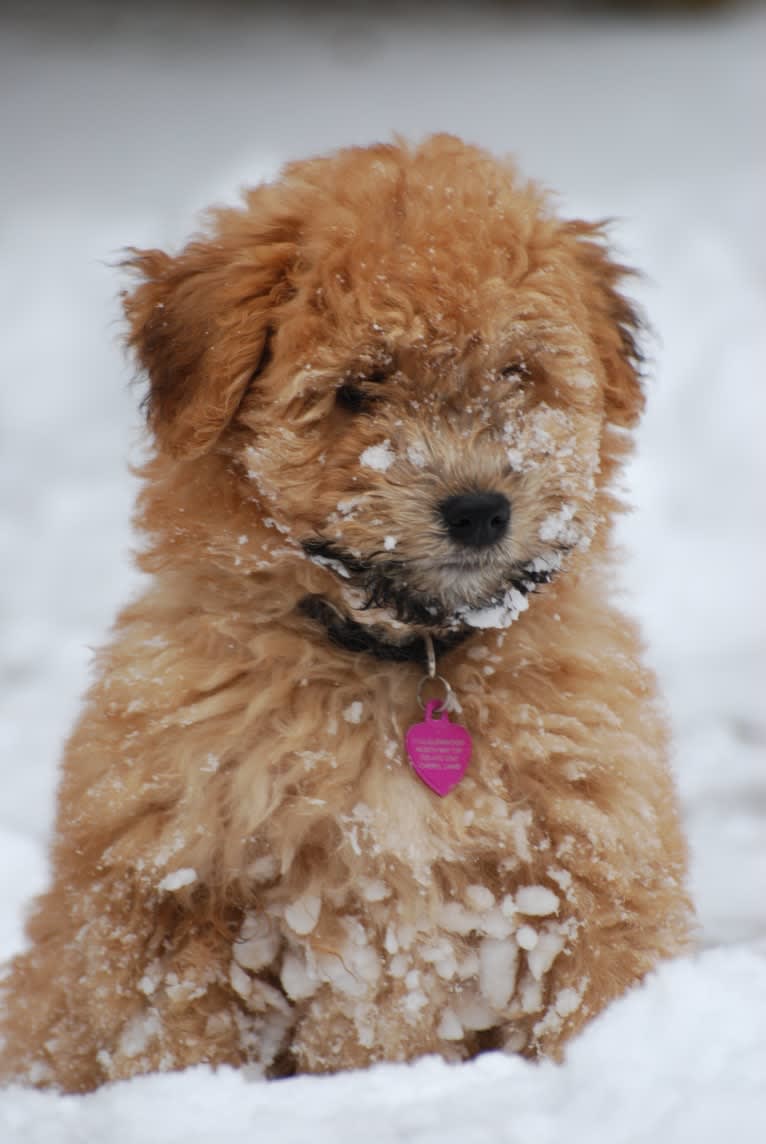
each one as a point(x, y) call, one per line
point(422, 376)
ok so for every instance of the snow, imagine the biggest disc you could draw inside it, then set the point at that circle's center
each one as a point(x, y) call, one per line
point(353, 713)
point(137, 1034)
point(536, 901)
point(497, 971)
point(257, 943)
point(120, 124)
point(178, 879)
point(500, 615)
point(337, 566)
point(302, 915)
point(480, 898)
point(417, 455)
point(548, 946)
point(557, 527)
point(379, 457)
point(526, 937)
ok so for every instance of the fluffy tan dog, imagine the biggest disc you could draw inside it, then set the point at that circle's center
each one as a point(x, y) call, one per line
point(389, 398)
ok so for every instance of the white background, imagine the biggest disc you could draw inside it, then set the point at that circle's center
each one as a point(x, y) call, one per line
point(117, 124)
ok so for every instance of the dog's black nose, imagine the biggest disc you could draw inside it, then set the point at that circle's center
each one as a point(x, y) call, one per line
point(476, 520)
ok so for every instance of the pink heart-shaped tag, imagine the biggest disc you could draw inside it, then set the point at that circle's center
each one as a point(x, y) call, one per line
point(439, 750)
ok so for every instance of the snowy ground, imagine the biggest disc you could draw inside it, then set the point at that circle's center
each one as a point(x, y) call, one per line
point(118, 124)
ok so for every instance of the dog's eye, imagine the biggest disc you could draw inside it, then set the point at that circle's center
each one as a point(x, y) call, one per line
point(354, 397)
point(515, 370)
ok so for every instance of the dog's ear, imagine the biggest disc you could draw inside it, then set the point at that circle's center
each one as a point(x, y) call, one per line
point(199, 327)
point(615, 324)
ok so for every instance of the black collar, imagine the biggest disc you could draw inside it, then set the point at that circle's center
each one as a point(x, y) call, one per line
point(351, 636)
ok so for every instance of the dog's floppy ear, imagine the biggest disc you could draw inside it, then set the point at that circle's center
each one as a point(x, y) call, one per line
point(199, 327)
point(615, 324)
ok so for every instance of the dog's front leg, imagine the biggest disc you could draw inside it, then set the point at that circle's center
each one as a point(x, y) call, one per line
point(114, 986)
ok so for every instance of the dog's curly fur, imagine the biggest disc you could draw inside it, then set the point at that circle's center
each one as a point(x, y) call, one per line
point(245, 867)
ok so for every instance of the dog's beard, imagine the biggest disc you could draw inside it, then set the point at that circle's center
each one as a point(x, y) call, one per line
point(384, 585)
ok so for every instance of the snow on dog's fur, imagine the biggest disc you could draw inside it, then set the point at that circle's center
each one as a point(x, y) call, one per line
point(245, 868)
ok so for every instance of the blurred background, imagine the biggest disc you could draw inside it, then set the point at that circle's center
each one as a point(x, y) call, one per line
point(120, 121)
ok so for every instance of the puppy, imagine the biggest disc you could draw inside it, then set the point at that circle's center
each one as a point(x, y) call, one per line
point(389, 398)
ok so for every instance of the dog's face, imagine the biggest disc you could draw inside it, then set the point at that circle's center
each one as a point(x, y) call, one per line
point(439, 471)
point(416, 369)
